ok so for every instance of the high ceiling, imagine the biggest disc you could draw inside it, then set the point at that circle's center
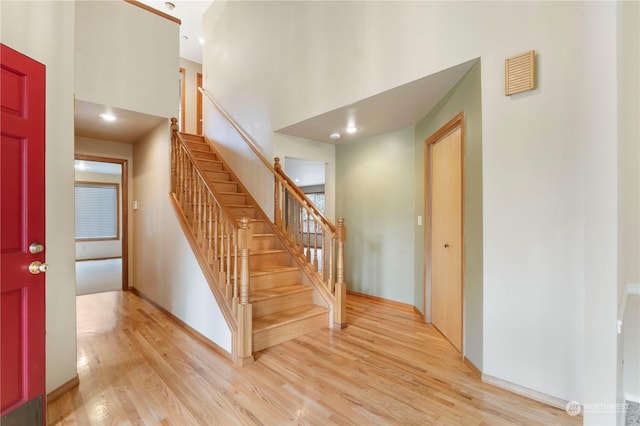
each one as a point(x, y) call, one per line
point(190, 13)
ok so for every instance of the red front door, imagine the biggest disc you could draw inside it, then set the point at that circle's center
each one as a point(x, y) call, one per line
point(22, 283)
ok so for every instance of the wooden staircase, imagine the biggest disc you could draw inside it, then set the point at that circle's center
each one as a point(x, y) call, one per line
point(283, 302)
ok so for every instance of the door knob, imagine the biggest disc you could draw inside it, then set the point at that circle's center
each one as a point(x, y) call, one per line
point(36, 248)
point(446, 245)
point(36, 267)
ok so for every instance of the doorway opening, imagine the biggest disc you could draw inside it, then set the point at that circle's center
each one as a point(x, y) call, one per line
point(101, 230)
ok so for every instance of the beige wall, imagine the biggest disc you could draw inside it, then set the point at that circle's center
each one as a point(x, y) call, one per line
point(191, 69)
point(548, 156)
point(165, 268)
point(44, 31)
point(126, 57)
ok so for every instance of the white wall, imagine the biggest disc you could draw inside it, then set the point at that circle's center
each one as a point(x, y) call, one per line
point(101, 249)
point(190, 69)
point(550, 221)
point(44, 31)
point(126, 57)
point(122, 151)
point(165, 268)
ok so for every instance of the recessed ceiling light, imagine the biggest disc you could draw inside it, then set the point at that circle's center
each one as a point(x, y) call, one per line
point(169, 6)
point(108, 117)
point(351, 130)
point(334, 135)
point(201, 40)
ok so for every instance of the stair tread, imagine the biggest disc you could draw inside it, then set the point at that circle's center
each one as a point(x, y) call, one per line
point(267, 251)
point(287, 316)
point(273, 269)
point(259, 295)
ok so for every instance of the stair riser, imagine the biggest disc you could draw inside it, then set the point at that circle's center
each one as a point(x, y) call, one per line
point(204, 155)
point(234, 198)
point(260, 261)
point(213, 175)
point(259, 227)
point(263, 242)
point(276, 279)
point(240, 212)
point(198, 146)
point(263, 339)
point(281, 303)
point(225, 187)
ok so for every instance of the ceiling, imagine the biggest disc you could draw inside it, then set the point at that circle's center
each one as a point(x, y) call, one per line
point(129, 126)
point(397, 108)
point(190, 13)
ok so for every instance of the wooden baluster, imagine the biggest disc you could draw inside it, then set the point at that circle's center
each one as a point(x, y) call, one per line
point(228, 268)
point(245, 335)
point(174, 153)
point(315, 246)
point(216, 234)
point(210, 233)
point(277, 212)
point(340, 308)
point(307, 244)
point(235, 265)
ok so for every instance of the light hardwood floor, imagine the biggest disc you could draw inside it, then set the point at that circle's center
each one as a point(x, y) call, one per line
point(386, 368)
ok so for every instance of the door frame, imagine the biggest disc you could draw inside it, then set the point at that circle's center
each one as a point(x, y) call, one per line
point(453, 124)
point(124, 209)
point(198, 104)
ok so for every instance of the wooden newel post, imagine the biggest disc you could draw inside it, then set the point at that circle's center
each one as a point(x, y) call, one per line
point(340, 309)
point(174, 154)
point(277, 211)
point(245, 332)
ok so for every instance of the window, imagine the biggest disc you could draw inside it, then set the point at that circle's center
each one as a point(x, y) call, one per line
point(97, 211)
point(317, 199)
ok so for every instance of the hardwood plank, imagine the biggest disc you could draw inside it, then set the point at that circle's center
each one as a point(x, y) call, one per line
point(138, 367)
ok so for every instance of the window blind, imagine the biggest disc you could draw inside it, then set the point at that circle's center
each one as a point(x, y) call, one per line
point(96, 211)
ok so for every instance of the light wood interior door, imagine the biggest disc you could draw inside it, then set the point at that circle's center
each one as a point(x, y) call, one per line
point(446, 236)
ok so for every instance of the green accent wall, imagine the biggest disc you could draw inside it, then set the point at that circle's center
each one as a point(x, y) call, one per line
point(380, 194)
point(374, 194)
point(466, 97)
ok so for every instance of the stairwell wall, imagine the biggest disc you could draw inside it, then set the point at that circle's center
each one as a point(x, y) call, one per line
point(165, 268)
point(549, 156)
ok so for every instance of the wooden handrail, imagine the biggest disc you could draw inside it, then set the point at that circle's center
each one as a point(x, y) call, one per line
point(225, 211)
point(277, 169)
point(247, 139)
point(304, 197)
point(295, 215)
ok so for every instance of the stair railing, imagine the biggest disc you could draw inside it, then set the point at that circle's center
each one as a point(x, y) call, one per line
point(221, 243)
point(318, 242)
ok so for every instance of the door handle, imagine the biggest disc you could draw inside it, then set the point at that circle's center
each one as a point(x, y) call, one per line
point(36, 248)
point(446, 245)
point(36, 267)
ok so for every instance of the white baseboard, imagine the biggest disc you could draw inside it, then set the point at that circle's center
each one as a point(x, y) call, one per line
point(529, 393)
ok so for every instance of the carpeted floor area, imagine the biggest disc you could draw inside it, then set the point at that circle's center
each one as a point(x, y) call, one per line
point(97, 276)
